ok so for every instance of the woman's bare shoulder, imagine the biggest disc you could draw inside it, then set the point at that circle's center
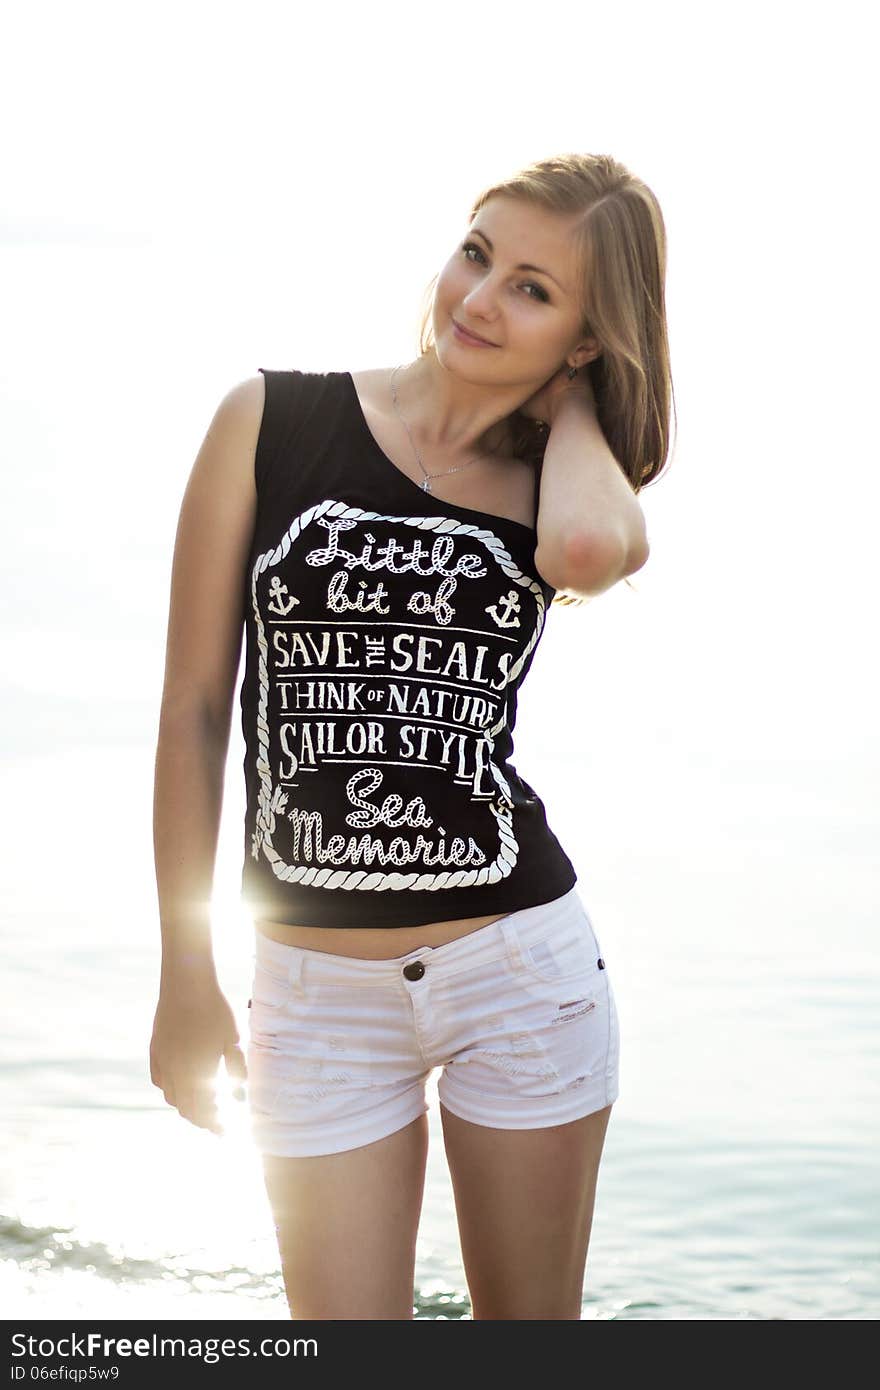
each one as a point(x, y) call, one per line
point(244, 400)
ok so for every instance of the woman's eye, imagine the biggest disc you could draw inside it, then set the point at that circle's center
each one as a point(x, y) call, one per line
point(541, 295)
point(471, 246)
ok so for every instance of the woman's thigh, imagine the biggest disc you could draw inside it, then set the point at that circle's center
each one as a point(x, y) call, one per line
point(337, 1098)
point(347, 1223)
point(524, 1201)
point(526, 1097)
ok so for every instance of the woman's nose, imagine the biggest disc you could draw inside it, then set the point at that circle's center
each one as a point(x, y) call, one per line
point(481, 302)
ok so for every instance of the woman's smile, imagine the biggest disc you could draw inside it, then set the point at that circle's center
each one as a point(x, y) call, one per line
point(463, 336)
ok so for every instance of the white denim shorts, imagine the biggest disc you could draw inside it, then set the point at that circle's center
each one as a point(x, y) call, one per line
point(520, 1016)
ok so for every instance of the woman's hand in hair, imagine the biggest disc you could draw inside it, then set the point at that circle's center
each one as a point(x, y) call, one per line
point(544, 404)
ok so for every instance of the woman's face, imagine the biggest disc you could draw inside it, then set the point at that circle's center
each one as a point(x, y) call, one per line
point(531, 317)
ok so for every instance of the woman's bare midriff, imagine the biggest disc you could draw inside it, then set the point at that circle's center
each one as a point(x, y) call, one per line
point(373, 943)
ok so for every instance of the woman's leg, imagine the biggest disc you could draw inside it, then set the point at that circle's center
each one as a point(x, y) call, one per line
point(524, 1200)
point(347, 1225)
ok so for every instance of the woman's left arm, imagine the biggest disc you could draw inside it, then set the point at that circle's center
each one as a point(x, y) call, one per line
point(591, 528)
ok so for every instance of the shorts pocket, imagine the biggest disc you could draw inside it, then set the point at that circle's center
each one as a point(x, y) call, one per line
point(270, 991)
point(569, 951)
point(311, 1057)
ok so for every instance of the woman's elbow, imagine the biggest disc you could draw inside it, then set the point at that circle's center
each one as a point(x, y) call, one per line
point(589, 563)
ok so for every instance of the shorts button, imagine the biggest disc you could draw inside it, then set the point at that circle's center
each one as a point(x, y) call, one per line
point(601, 964)
point(414, 970)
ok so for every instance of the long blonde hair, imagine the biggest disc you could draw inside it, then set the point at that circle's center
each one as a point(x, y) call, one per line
point(622, 248)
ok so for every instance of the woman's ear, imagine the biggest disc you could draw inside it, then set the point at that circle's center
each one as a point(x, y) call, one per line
point(588, 351)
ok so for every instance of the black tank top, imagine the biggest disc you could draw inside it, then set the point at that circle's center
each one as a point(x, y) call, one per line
point(388, 633)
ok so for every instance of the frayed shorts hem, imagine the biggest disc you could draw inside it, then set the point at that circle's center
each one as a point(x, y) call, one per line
point(276, 1144)
point(300, 1146)
point(478, 1115)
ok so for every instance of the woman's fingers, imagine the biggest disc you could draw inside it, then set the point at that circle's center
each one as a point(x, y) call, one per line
point(190, 1041)
point(236, 1064)
point(155, 1069)
point(202, 1110)
point(195, 1102)
point(236, 1068)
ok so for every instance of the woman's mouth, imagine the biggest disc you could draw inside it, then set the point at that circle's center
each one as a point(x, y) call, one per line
point(471, 339)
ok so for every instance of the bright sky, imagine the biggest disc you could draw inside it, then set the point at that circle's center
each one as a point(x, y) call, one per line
point(191, 191)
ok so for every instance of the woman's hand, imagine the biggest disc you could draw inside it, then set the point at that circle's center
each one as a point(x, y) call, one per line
point(544, 404)
point(193, 1029)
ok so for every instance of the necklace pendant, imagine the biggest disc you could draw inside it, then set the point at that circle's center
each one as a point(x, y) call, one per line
point(426, 485)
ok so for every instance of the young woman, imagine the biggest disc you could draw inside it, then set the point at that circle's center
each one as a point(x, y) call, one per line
point(389, 543)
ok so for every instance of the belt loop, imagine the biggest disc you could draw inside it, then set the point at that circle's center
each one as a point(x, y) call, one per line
point(591, 929)
point(295, 970)
point(512, 940)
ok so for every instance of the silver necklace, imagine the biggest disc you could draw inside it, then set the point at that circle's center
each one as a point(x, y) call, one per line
point(426, 485)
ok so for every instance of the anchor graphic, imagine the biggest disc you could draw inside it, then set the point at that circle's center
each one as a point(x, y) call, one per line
point(277, 589)
point(511, 605)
